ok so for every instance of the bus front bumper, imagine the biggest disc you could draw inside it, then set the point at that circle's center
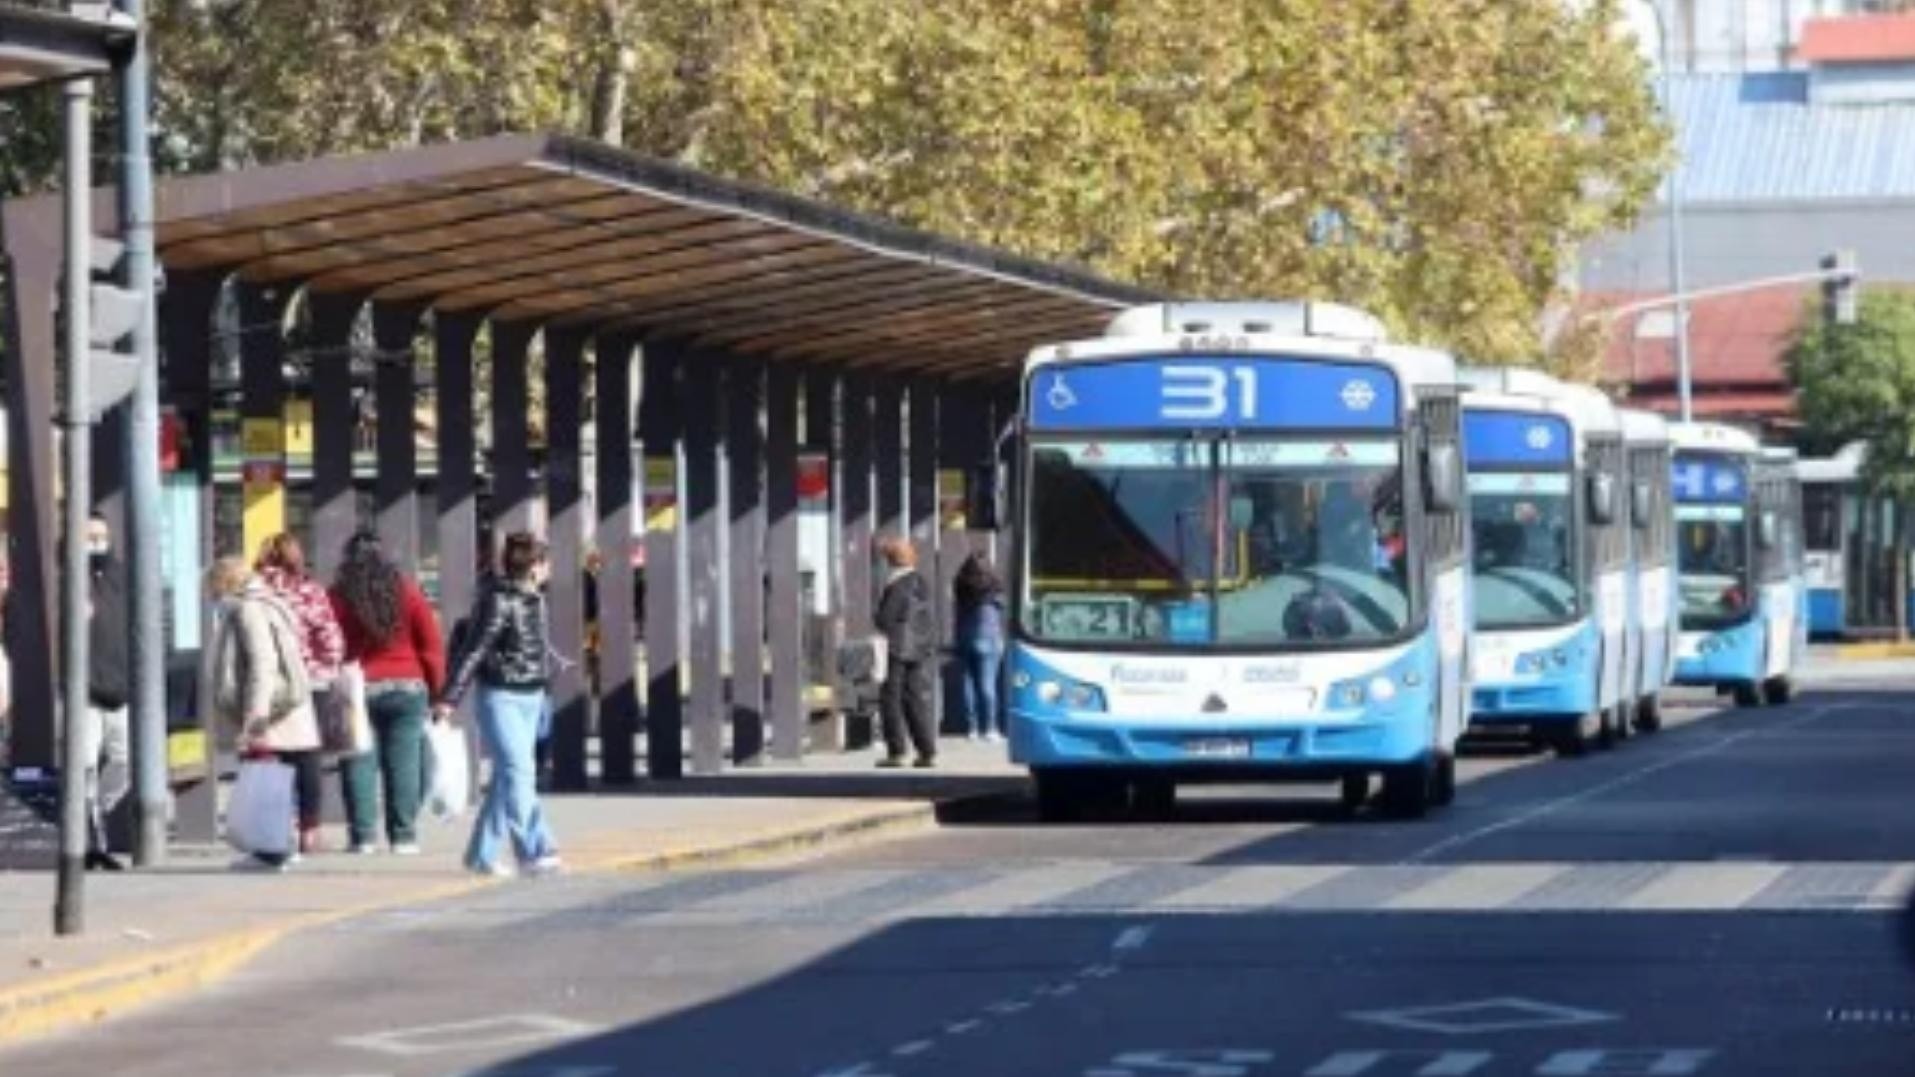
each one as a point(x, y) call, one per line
point(1200, 743)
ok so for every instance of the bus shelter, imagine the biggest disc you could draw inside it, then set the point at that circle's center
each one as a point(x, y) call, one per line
point(717, 325)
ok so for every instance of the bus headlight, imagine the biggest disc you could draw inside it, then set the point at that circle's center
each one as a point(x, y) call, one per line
point(1049, 692)
point(1347, 695)
point(1382, 689)
point(1069, 695)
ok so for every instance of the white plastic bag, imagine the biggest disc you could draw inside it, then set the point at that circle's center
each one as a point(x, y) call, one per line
point(448, 773)
point(259, 817)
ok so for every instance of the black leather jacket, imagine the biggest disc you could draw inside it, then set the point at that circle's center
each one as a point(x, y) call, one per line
point(505, 646)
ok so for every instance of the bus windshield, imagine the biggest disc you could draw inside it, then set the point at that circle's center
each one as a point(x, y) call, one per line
point(1201, 542)
point(1525, 574)
point(1712, 543)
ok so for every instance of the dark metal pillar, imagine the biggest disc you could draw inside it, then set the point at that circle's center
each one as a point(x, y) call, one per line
point(511, 461)
point(784, 617)
point(186, 326)
point(262, 388)
point(921, 509)
point(396, 490)
point(854, 504)
point(31, 507)
point(565, 511)
point(887, 416)
point(453, 337)
point(617, 638)
point(335, 501)
point(664, 696)
point(745, 444)
point(701, 419)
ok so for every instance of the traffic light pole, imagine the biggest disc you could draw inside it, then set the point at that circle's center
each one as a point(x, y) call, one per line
point(69, 917)
point(148, 643)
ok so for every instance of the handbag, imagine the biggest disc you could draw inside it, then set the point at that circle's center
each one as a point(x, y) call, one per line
point(259, 816)
point(346, 725)
point(448, 771)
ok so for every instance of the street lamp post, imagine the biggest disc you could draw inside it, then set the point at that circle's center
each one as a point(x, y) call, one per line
point(1664, 23)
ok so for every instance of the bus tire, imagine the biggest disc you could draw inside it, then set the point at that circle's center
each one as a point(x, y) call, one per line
point(1154, 799)
point(1444, 793)
point(1615, 725)
point(1778, 691)
point(1572, 739)
point(1649, 714)
point(1408, 790)
point(1060, 796)
point(1354, 792)
point(1748, 695)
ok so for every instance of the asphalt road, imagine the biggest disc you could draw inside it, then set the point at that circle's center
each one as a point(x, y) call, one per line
point(1717, 899)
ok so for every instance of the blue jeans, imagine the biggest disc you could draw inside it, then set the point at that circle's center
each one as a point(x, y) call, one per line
point(509, 727)
point(981, 664)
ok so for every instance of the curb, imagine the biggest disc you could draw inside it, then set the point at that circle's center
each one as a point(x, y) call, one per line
point(94, 994)
point(1853, 651)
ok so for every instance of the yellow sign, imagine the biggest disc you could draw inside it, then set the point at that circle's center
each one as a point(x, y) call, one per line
point(951, 508)
point(265, 513)
point(299, 429)
point(186, 750)
point(262, 439)
point(661, 493)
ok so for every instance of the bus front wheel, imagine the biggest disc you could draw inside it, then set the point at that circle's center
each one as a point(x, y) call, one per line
point(1066, 796)
point(1409, 792)
point(1748, 695)
point(1649, 714)
point(1777, 691)
point(1573, 739)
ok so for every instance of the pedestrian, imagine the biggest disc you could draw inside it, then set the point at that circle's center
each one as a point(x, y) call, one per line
point(507, 657)
point(282, 567)
point(980, 641)
point(909, 626)
point(392, 633)
point(256, 672)
point(108, 755)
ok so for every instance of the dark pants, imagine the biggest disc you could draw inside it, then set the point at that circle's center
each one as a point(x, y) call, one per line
point(309, 793)
point(906, 706)
point(397, 762)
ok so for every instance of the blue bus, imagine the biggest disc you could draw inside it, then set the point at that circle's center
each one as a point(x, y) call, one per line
point(1654, 610)
point(1744, 606)
point(1849, 550)
point(1551, 569)
point(1241, 556)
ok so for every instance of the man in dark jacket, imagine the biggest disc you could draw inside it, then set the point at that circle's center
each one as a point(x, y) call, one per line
point(908, 622)
point(109, 686)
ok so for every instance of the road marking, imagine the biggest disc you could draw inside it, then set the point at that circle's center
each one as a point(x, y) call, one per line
point(1893, 890)
point(1009, 1007)
point(959, 1028)
point(1705, 886)
point(486, 1033)
point(1132, 938)
point(1550, 807)
point(1479, 887)
point(804, 892)
point(1439, 1063)
point(1247, 887)
point(1482, 1016)
point(1020, 889)
point(1639, 1061)
point(915, 1047)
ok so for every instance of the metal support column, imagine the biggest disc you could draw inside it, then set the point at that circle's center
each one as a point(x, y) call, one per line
point(262, 388)
point(565, 513)
point(396, 488)
point(511, 459)
point(617, 638)
point(69, 909)
point(701, 419)
point(664, 654)
point(457, 487)
point(887, 416)
point(745, 444)
point(784, 615)
point(854, 504)
point(921, 506)
point(335, 500)
point(32, 509)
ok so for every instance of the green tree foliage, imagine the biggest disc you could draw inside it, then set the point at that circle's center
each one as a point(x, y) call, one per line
point(1433, 160)
point(1857, 382)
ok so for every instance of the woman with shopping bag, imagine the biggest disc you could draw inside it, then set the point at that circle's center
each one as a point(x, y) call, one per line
point(322, 645)
point(506, 655)
point(256, 681)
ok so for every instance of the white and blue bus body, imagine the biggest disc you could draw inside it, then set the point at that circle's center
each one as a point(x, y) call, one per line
point(1652, 563)
point(1744, 608)
point(1241, 556)
point(1550, 572)
point(1849, 550)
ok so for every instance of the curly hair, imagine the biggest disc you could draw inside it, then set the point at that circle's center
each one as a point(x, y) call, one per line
point(368, 585)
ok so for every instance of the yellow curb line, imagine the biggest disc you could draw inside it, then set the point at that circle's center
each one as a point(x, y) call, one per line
point(1850, 651)
point(113, 988)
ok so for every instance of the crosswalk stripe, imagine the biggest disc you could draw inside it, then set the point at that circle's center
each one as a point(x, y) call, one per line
point(1705, 886)
point(806, 891)
point(1022, 889)
point(1893, 890)
point(1479, 886)
point(1251, 886)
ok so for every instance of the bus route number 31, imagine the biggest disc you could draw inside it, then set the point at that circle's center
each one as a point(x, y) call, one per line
point(1197, 392)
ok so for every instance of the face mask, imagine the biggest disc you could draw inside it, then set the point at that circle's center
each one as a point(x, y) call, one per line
point(98, 555)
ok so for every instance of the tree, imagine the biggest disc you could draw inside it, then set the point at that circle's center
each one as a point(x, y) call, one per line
point(1857, 383)
point(1436, 161)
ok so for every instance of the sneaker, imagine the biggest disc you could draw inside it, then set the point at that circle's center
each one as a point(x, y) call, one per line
point(549, 864)
point(405, 848)
point(891, 762)
point(363, 848)
point(491, 871)
point(925, 762)
point(994, 737)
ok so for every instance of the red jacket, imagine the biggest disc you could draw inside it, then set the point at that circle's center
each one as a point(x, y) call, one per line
point(414, 653)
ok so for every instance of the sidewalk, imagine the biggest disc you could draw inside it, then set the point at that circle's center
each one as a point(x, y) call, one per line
point(153, 935)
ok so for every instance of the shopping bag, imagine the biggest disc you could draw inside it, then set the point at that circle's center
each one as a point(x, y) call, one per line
point(259, 816)
point(345, 724)
point(448, 773)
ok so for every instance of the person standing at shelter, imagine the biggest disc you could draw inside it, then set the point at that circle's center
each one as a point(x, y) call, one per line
point(909, 626)
point(980, 640)
point(507, 656)
point(282, 568)
point(109, 685)
point(256, 673)
point(392, 633)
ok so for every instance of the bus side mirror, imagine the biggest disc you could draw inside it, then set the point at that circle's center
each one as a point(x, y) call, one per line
point(1767, 532)
point(1445, 464)
point(1602, 500)
point(1640, 505)
point(981, 498)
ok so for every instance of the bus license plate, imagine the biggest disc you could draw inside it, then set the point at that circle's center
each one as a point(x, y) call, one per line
point(1218, 747)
